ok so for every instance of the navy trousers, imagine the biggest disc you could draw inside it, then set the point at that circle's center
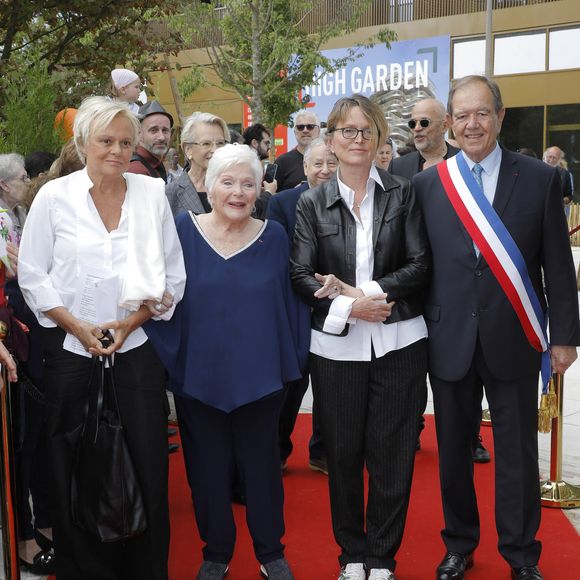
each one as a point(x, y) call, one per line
point(214, 443)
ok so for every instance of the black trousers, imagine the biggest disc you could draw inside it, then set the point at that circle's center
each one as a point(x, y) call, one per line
point(214, 443)
point(293, 395)
point(513, 406)
point(369, 414)
point(140, 381)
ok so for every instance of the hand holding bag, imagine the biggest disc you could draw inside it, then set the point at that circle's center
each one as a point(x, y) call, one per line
point(106, 498)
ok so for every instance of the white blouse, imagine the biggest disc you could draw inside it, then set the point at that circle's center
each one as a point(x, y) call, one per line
point(363, 337)
point(64, 236)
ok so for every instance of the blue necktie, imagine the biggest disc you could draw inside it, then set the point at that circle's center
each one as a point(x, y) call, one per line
point(477, 171)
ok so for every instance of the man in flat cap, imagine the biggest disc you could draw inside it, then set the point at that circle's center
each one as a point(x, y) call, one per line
point(156, 124)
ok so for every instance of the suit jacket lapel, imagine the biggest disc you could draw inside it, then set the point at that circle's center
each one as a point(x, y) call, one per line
point(189, 199)
point(508, 175)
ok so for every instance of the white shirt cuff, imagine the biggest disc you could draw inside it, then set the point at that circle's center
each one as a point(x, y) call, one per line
point(370, 288)
point(338, 315)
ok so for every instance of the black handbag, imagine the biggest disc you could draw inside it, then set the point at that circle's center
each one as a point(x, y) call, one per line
point(106, 498)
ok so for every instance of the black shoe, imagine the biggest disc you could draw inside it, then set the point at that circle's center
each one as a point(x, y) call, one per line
point(527, 573)
point(44, 542)
point(172, 447)
point(480, 453)
point(171, 431)
point(418, 444)
point(43, 564)
point(318, 465)
point(453, 566)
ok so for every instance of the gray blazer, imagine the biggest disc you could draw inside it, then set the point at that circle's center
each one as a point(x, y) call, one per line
point(182, 196)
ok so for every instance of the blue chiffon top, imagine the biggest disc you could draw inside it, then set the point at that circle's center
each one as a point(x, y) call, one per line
point(240, 332)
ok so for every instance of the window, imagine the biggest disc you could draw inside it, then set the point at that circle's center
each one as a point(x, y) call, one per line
point(520, 53)
point(563, 49)
point(468, 57)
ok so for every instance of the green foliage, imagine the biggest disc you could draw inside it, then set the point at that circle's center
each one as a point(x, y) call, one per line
point(261, 50)
point(82, 40)
point(29, 111)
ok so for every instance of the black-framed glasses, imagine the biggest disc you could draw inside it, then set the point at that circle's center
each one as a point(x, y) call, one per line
point(309, 127)
point(352, 132)
point(423, 122)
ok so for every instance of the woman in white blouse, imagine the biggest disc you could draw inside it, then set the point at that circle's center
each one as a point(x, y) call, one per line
point(100, 251)
point(360, 259)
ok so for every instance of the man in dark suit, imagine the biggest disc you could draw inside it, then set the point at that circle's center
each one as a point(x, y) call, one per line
point(428, 124)
point(475, 337)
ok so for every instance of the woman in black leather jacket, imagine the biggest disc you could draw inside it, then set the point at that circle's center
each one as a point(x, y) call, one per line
point(360, 259)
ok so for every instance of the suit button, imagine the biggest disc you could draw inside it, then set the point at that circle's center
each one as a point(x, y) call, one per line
point(478, 273)
point(474, 314)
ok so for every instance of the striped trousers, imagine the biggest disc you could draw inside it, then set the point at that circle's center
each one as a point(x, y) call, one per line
point(369, 415)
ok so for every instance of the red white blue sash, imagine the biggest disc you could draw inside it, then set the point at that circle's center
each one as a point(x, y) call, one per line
point(499, 250)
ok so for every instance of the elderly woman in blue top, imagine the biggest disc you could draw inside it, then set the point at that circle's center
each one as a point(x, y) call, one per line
point(101, 226)
point(229, 349)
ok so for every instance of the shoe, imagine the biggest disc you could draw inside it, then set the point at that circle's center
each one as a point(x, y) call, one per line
point(43, 564)
point(277, 570)
point(212, 571)
point(418, 444)
point(453, 566)
point(353, 572)
point(480, 453)
point(172, 447)
point(381, 574)
point(527, 573)
point(43, 541)
point(171, 431)
point(318, 465)
point(284, 466)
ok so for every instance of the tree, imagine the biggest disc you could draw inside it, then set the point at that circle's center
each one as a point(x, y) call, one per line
point(28, 112)
point(82, 40)
point(262, 50)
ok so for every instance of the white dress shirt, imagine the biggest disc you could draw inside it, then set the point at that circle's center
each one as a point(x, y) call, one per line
point(362, 335)
point(64, 235)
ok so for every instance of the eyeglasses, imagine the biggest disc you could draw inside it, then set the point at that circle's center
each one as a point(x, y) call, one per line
point(352, 133)
point(208, 144)
point(23, 178)
point(423, 122)
point(308, 127)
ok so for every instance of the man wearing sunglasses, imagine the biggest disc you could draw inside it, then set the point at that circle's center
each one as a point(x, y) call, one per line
point(291, 165)
point(428, 125)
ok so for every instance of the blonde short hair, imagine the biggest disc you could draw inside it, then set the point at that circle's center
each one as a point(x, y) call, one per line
point(97, 113)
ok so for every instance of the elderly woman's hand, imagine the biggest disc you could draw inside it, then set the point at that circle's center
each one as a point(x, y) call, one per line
point(158, 308)
point(7, 360)
point(331, 286)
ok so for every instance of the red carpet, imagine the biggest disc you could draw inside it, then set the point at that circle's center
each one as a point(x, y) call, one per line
point(310, 546)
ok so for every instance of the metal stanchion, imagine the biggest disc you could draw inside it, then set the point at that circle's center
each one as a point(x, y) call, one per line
point(7, 491)
point(555, 492)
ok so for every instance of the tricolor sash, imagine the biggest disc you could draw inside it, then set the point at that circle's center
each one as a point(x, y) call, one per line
point(500, 251)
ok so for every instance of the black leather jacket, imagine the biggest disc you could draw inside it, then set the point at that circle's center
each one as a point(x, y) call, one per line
point(325, 243)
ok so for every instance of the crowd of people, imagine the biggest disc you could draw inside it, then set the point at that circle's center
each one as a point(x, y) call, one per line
point(354, 268)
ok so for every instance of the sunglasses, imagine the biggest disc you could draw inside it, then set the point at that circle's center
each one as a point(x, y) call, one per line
point(423, 122)
point(309, 127)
